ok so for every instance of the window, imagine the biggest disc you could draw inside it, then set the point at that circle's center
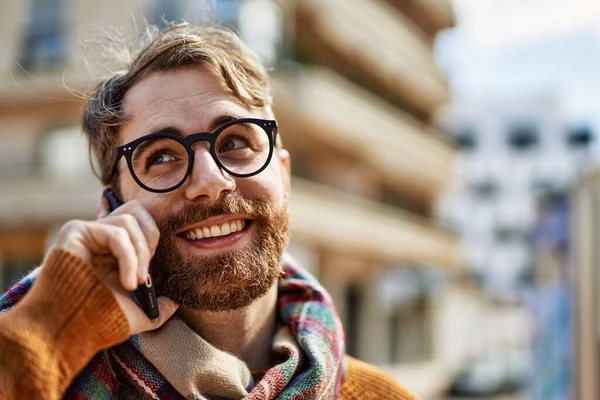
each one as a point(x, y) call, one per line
point(227, 12)
point(352, 321)
point(486, 189)
point(402, 293)
point(410, 332)
point(164, 12)
point(263, 37)
point(466, 140)
point(16, 156)
point(509, 235)
point(44, 42)
point(543, 187)
point(258, 22)
point(523, 136)
point(63, 152)
point(580, 137)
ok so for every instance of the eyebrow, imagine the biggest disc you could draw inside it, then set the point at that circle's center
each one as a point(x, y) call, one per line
point(214, 125)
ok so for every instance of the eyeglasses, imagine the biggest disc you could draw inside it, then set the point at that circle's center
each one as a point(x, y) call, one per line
point(161, 162)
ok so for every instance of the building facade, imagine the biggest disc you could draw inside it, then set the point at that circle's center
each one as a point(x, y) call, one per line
point(520, 157)
point(513, 154)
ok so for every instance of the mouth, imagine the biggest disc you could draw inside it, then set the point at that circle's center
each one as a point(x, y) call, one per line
point(217, 232)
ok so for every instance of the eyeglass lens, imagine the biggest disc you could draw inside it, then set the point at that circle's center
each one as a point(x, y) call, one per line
point(162, 163)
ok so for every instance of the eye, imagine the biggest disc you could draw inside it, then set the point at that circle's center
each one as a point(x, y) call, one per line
point(160, 158)
point(233, 143)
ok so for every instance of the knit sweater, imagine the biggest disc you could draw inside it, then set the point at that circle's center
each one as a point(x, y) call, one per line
point(69, 315)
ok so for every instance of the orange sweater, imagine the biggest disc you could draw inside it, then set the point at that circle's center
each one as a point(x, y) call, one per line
point(69, 315)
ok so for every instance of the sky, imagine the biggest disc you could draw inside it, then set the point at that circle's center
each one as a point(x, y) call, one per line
point(512, 47)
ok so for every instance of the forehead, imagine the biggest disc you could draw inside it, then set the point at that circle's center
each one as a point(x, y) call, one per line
point(188, 100)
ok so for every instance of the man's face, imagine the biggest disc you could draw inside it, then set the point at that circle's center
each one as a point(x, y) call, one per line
point(227, 270)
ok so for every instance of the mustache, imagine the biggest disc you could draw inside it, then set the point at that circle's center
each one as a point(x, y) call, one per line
point(233, 203)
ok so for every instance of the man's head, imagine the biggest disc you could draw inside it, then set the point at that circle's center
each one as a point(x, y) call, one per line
point(190, 80)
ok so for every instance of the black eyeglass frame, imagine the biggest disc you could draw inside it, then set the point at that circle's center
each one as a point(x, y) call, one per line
point(127, 150)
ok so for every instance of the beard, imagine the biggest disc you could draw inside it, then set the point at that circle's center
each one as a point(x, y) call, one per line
point(227, 281)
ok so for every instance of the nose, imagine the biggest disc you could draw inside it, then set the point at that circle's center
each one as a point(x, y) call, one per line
point(207, 181)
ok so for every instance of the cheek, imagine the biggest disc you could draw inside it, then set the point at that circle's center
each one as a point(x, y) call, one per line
point(266, 186)
point(128, 188)
point(157, 204)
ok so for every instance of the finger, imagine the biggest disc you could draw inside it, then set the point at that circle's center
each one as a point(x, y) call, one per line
point(138, 239)
point(145, 221)
point(102, 208)
point(118, 242)
point(166, 309)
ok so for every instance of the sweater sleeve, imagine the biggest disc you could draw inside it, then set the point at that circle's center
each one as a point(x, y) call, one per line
point(54, 331)
point(366, 382)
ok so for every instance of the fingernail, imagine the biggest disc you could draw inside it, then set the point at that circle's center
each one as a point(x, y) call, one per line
point(133, 282)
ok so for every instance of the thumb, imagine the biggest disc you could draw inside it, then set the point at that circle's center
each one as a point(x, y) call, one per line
point(166, 309)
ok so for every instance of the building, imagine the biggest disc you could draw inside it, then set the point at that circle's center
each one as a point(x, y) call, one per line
point(519, 158)
point(513, 153)
point(356, 90)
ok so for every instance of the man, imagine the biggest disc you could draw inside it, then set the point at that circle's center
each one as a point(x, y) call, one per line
point(186, 137)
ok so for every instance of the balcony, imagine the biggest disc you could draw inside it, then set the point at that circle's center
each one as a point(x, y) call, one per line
point(360, 227)
point(374, 42)
point(319, 109)
point(431, 15)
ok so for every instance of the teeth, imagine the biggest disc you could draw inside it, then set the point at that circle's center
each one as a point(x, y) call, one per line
point(216, 230)
point(225, 230)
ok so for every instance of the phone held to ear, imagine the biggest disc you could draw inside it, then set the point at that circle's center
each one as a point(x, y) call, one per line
point(145, 294)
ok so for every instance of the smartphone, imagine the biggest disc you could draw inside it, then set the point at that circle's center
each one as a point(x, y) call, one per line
point(145, 294)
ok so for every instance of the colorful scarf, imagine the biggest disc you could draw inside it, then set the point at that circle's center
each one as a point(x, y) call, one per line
point(311, 344)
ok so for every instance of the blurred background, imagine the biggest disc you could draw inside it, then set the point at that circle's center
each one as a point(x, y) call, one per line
point(444, 156)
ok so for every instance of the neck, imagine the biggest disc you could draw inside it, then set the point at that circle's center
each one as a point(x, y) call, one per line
point(246, 333)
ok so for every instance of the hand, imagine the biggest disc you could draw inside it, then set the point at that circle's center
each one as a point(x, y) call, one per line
point(127, 239)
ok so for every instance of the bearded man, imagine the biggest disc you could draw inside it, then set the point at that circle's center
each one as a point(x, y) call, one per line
point(186, 137)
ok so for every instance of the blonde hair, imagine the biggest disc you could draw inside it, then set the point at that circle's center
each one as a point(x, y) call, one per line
point(178, 46)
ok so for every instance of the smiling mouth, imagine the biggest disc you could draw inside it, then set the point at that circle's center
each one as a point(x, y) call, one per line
point(216, 231)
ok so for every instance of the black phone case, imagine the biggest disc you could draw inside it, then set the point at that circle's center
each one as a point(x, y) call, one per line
point(144, 295)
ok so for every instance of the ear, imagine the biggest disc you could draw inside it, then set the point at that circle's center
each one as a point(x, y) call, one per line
point(286, 171)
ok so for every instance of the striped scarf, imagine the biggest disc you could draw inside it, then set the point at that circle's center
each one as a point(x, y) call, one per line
point(311, 366)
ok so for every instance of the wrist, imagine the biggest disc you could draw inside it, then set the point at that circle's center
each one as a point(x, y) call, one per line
point(73, 310)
